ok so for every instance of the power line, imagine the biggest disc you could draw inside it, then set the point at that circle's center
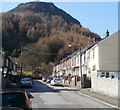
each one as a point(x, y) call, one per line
point(45, 53)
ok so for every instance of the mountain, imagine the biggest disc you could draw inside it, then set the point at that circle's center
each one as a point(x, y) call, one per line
point(43, 27)
point(43, 7)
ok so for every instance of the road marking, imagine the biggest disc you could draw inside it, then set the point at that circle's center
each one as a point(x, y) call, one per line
point(98, 100)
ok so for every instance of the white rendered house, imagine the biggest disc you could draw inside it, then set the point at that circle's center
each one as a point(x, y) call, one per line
point(103, 65)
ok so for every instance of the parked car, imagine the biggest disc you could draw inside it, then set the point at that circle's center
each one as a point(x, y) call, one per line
point(16, 100)
point(26, 82)
point(12, 108)
point(57, 81)
point(44, 79)
point(49, 79)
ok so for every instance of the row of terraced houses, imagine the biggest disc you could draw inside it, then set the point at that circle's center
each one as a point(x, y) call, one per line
point(95, 66)
point(8, 70)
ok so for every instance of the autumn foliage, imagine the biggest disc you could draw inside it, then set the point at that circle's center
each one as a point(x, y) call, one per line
point(43, 31)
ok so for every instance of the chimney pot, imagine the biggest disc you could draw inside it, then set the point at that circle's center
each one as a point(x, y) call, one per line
point(107, 33)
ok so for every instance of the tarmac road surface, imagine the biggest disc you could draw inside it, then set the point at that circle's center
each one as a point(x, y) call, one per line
point(46, 96)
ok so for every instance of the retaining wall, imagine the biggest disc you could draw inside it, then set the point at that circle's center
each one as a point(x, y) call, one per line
point(106, 86)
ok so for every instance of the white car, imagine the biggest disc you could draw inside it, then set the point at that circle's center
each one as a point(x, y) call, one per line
point(57, 81)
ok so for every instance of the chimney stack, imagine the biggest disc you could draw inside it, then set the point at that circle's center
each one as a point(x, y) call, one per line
point(107, 33)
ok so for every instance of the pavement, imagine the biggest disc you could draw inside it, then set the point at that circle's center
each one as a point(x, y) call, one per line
point(101, 98)
point(88, 92)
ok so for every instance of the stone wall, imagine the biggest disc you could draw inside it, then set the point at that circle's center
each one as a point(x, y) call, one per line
point(106, 86)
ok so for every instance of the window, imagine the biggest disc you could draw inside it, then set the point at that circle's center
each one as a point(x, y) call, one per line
point(88, 56)
point(89, 70)
point(72, 62)
point(112, 76)
point(77, 59)
point(94, 68)
point(102, 74)
point(98, 74)
point(84, 57)
point(107, 75)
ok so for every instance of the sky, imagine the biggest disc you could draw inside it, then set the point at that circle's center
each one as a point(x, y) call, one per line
point(96, 16)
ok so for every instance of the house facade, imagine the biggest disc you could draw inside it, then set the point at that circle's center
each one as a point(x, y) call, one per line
point(8, 69)
point(105, 70)
point(97, 63)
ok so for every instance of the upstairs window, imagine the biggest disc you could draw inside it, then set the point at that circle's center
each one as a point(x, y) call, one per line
point(88, 57)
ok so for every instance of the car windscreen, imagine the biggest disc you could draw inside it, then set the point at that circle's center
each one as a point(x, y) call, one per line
point(25, 80)
point(58, 79)
point(13, 100)
point(50, 78)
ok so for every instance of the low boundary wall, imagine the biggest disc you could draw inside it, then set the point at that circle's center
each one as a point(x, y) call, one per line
point(106, 86)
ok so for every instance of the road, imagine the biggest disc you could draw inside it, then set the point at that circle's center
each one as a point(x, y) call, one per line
point(46, 96)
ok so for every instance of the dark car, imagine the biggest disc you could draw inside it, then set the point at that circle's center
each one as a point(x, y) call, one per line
point(49, 80)
point(12, 108)
point(26, 82)
point(16, 99)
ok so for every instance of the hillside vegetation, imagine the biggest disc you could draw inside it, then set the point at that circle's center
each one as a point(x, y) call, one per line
point(44, 33)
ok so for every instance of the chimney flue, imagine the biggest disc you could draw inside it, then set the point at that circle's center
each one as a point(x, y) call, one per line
point(107, 33)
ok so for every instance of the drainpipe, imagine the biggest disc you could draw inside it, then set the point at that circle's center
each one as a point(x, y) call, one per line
point(81, 69)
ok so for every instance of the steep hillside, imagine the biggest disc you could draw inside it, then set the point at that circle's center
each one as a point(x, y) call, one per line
point(43, 28)
point(46, 8)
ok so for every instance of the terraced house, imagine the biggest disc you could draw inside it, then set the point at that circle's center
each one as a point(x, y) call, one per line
point(104, 65)
point(94, 66)
point(8, 69)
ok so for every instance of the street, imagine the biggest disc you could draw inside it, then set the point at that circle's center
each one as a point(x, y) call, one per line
point(46, 96)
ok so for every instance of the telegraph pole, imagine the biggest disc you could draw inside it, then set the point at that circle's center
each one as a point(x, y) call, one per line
point(21, 60)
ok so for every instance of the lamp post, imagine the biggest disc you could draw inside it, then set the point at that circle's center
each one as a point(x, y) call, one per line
point(81, 80)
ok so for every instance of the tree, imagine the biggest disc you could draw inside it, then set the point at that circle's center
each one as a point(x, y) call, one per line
point(54, 43)
point(16, 53)
point(33, 55)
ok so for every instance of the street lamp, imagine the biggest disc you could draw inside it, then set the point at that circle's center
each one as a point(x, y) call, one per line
point(81, 81)
point(70, 45)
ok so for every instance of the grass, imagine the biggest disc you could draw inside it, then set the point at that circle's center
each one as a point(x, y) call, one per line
point(26, 72)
